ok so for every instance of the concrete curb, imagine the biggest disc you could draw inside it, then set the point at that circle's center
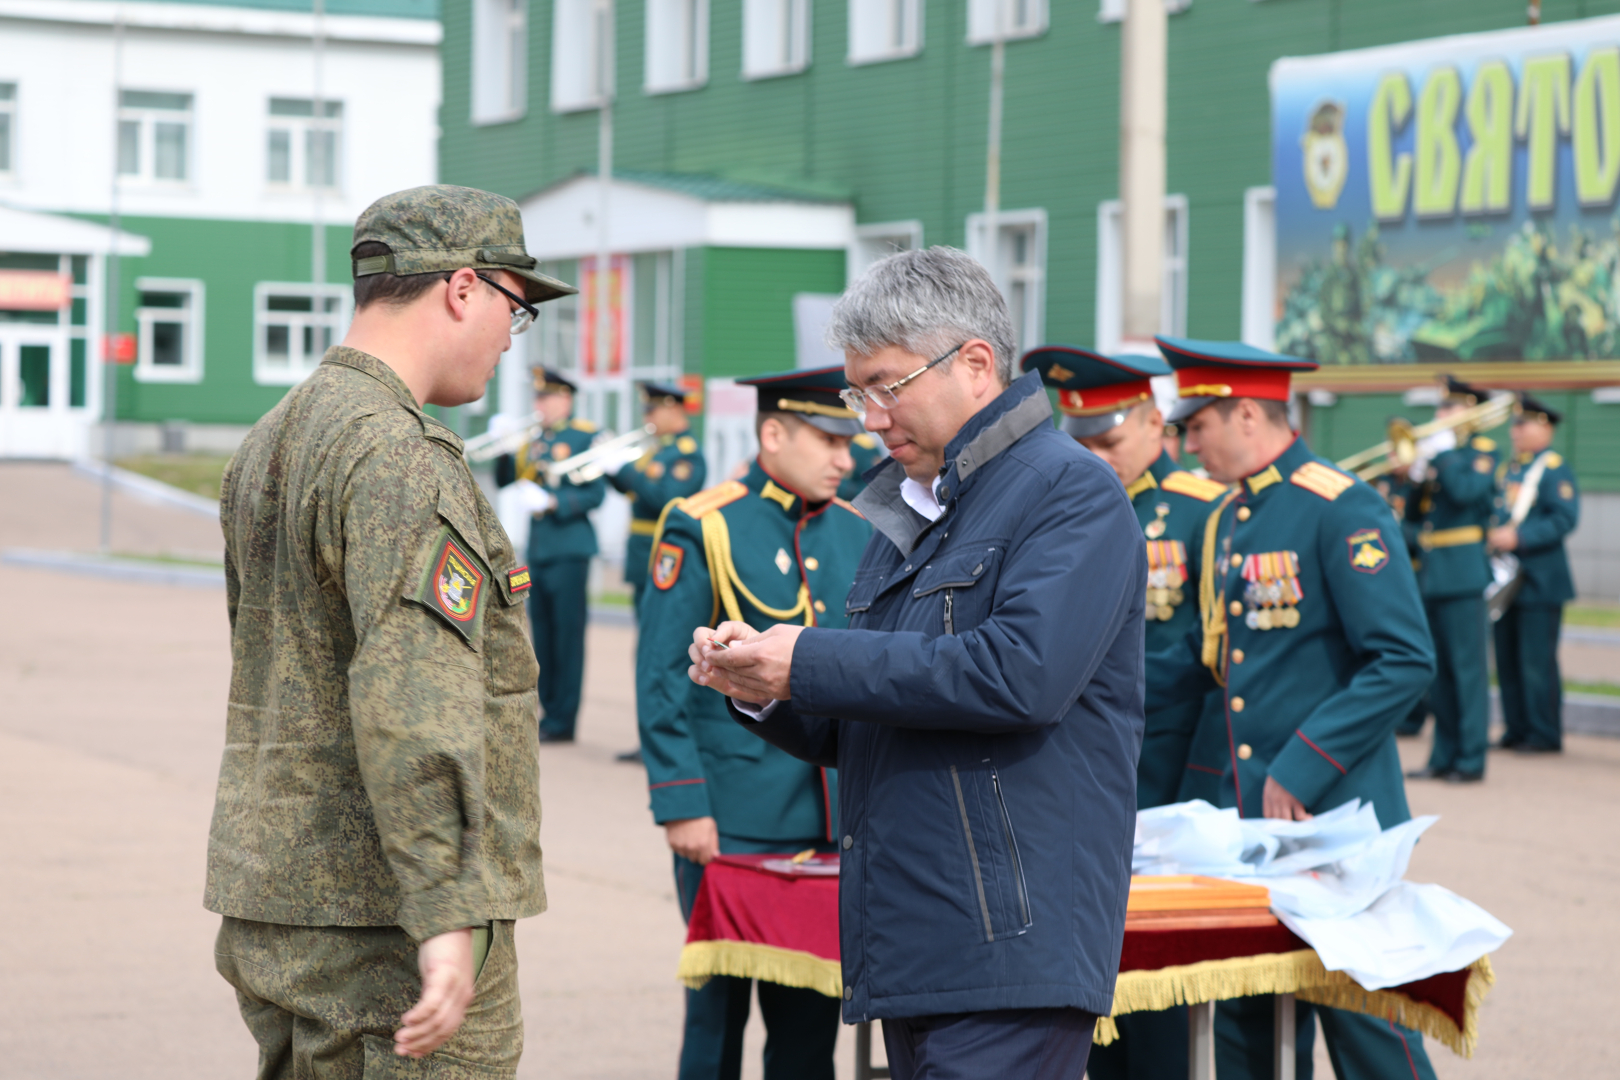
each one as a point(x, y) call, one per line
point(1591, 635)
point(1584, 714)
point(148, 573)
point(149, 490)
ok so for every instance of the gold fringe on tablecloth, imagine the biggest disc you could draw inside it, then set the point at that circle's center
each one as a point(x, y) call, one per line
point(703, 960)
point(1299, 973)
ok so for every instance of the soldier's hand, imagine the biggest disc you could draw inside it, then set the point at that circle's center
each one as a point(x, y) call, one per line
point(1276, 802)
point(1502, 538)
point(695, 838)
point(757, 669)
point(446, 964)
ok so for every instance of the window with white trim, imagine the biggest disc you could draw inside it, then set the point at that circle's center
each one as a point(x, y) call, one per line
point(776, 37)
point(1260, 267)
point(168, 330)
point(878, 240)
point(581, 55)
point(1110, 324)
point(1005, 19)
point(302, 150)
point(500, 67)
point(677, 45)
point(293, 326)
point(8, 127)
point(1017, 264)
point(884, 30)
point(1114, 10)
point(154, 137)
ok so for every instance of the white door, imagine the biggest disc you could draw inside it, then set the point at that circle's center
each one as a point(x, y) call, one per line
point(36, 420)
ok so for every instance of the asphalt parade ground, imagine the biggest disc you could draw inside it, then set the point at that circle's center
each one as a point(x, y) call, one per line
point(112, 700)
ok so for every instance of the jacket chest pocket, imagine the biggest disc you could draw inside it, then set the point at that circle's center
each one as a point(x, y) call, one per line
point(963, 585)
point(996, 885)
point(862, 593)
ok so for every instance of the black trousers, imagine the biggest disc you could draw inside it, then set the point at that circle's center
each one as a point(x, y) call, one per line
point(1001, 1044)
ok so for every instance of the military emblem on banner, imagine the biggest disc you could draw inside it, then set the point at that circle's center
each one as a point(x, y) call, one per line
point(1273, 593)
point(1167, 573)
point(1368, 555)
point(666, 567)
point(1326, 157)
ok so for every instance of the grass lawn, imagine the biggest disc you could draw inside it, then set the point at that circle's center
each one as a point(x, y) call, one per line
point(197, 473)
point(1593, 614)
point(1606, 689)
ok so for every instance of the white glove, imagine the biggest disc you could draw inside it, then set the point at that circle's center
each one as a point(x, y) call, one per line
point(533, 498)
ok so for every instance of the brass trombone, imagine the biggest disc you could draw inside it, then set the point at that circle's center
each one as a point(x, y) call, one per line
point(606, 455)
point(1400, 449)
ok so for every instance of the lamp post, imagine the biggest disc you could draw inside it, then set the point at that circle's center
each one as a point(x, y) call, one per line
point(604, 182)
point(109, 366)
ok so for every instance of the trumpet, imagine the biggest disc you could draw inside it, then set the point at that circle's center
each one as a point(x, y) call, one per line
point(607, 456)
point(492, 444)
point(1400, 449)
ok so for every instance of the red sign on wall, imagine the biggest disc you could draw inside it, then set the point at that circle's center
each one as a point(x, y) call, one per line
point(118, 348)
point(34, 290)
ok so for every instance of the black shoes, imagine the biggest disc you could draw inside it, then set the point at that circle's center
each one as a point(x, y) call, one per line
point(1533, 748)
point(629, 757)
point(1459, 777)
point(1427, 773)
point(553, 737)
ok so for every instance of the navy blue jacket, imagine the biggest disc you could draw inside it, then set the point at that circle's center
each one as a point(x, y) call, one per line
point(984, 710)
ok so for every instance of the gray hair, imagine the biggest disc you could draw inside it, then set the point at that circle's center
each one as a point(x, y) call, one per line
point(925, 302)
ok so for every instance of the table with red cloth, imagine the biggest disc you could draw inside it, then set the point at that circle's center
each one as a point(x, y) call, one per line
point(754, 923)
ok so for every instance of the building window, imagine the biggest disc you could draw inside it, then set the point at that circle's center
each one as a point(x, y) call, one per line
point(884, 30)
point(1110, 325)
point(293, 326)
point(1114, 10)
point(154, 136)
point(169, 330)
point(500, 37)
point(878, 240)
point(581, 55)
point(304, 150)
point(677, 45)
point(992, 19)
point(8, 126)
point(776, 37)
point(1017, 263)
point(1260, 267)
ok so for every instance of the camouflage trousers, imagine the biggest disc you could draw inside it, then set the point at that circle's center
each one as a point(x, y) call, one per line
point(323, 1002)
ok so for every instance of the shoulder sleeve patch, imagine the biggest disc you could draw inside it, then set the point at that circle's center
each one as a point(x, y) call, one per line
point(1320, 479)
point(1482, 464)
point(1554, 460)
point(1482, 444)
point(1368, 553)
point(452, 585)
point(1185, 483)
point(1566, 490)
point(849, 506)
point(582, 425)
point(686, 444)
point(705, 502)
point(666, 565)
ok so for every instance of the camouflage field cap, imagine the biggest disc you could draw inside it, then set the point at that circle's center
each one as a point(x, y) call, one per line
point(442, 227)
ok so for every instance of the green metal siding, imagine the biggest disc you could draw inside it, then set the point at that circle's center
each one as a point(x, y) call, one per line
point(748, 305)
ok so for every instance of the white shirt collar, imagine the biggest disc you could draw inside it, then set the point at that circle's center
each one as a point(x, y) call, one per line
point(923, 500)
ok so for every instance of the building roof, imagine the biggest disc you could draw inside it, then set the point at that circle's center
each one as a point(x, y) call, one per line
point(715, 188)
point(53, 234)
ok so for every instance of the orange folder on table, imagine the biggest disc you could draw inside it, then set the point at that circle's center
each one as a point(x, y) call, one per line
point(1187, 901)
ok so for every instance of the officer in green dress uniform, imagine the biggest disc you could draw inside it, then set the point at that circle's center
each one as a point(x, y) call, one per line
point(673, 470)
point(866, 452)
point(1397, 491)
point(1540, 507)
point(1453, 493)
point(774, 547)
point(561, 544)
point(1107, 404)
point(1312, 628)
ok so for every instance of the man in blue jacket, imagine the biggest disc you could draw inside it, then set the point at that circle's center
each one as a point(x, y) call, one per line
point(985, 737)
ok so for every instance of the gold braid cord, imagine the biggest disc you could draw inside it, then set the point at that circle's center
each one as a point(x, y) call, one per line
point(726, 583)
point(1210, 609)
point(1299, 973)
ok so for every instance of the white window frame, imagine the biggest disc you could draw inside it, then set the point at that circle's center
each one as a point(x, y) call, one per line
point(581, 55)
point(8, 139)
point(776, 38)
point(986, 16)
point(1032, 332)
point(190, 317)
point(1113, 11)
point(300, 365)
point(880, 239)
point(299, 131)
point(1110, 320)
point(1260, 267)
point(882, 30)
point(677, 46)
point(500, 60)
point(147, 117)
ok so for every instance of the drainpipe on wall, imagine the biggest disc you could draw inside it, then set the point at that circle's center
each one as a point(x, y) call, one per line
point(1141, 168)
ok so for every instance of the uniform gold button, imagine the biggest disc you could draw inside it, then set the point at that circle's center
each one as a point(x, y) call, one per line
point(1237, 560)
point(1243, 513)
point(1236, 608)
point(1245, 751)
point(811, 564)
point(1237, 656)
point(820, 606)
point(1237, 704)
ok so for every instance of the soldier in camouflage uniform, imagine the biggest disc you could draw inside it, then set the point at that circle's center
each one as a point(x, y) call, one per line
point(376, 831)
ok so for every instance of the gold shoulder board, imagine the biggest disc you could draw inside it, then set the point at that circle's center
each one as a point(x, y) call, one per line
point(706, 502)
point(1482, 444)
point(865, 441)
point(1185, 483)
point(1554, 460)
point(1320, 479)
point(686, 444)
point(582, 425)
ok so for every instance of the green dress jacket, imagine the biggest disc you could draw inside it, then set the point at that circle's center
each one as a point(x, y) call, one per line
point(1553, 516)
point(752, 551)
point(672, 471)
point(565, 531)
point(866, 452)
point(1313, 629)
point(1448, 513)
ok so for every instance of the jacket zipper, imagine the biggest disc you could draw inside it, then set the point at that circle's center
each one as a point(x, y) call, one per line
point(973, 856)
point(1012, 848)
point(950, 599)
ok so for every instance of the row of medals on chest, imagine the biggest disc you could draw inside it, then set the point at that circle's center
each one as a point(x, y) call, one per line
point(1271, 596)
point(1164, 593)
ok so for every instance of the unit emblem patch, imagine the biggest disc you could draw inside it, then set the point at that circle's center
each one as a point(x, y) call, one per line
point(682, 470)
point(667, 565)
point(1482, 464)
point(1368, 554)
point(655, 470)
point(456, 582)
point(1566, 490)
point(559, 451)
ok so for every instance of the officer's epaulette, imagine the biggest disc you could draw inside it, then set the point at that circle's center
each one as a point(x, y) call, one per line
point(1482, 444)
point(686, 444)
point(865, 441)
point(706, 502)
point(1185, 483)
point(1323, 480)
point(1554, 460)
point(582, 425)
point(850, 507)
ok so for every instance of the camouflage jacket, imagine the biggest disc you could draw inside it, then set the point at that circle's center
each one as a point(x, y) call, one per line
point(381, 760)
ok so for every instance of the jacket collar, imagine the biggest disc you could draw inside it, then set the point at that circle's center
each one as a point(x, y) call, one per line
point(343, 356)
point(1017, 411)
point(772, 490)
point(1280, 469)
